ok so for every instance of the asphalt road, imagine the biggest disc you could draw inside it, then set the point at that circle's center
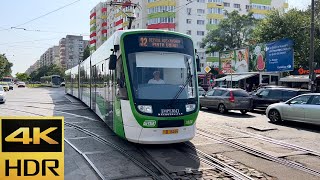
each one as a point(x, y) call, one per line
point(231, 138)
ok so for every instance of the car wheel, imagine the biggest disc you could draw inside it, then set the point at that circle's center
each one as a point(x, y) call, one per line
point(274, 116)
point(243, 111)
point(222, 109)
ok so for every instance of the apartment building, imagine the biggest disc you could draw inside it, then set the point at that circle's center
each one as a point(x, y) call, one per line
point(193, 17)
point(71, 50)
point(51, 56)
point(33, 67)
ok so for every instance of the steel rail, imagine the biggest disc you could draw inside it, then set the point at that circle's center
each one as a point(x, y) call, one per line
point(258, 153)
point(216, 163)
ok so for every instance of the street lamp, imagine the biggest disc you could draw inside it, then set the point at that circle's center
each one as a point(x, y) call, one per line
point(311, 57)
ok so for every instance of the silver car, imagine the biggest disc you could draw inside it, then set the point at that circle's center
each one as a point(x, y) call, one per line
point(2, 95)
point(303, 108)
point(225, 99)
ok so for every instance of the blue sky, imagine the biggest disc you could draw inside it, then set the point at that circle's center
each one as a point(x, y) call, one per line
point(23, 48)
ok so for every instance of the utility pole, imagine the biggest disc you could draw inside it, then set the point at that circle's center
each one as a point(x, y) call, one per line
point(311, 57)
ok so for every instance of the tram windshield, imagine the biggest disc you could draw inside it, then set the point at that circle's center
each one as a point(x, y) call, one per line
point(162, 75)
point(55, 80)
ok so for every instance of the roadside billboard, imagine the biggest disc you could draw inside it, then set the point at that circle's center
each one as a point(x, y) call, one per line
point(279, 56)
point(242, 60)
point(258, 58)
point(227, 61)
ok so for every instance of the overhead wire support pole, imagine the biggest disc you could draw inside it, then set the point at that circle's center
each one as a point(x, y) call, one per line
point(126, 4)
point(311, 57)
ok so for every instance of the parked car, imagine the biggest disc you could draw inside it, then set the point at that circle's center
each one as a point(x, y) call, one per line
point(225, 99)
point(5, 86)
point(21, 84)
point(267, 87)
point(202, 92)
point(303, 108)
point(267, 96)
point(2, 95)
point(63, 84)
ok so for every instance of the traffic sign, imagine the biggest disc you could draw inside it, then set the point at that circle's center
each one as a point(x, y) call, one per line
point(207, 69)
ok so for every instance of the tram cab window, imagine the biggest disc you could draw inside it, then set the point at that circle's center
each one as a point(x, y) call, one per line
point(161, 75)
point(121, 83)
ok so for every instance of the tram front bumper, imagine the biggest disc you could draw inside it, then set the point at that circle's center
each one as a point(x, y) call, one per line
point(156, 135)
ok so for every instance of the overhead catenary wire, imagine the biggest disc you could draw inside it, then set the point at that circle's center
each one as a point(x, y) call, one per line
point(41, 16)
point(46, 31)
point(28, 41)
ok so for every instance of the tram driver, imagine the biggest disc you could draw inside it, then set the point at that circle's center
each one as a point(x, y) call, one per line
point(156, 78)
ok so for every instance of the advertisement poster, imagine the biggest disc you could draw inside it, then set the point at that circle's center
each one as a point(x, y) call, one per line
point(258, 58)
point(242, 60)
point(227, 61)
point(279, 56)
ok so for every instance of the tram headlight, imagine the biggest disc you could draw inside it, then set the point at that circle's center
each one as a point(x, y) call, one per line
point(190, 107)
point(145, 108)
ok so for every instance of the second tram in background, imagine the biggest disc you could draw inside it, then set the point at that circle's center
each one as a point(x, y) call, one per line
point(51, 81)
point(142, 84)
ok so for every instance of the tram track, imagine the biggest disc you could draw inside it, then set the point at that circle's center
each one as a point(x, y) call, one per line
point(273, 141)
point(216, 163)
point(153, 174)
point(257, 153)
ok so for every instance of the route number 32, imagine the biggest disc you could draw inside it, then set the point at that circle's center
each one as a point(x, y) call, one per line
point(143, 42)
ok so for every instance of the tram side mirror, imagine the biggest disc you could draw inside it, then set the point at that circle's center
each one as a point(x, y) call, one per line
point(112, 62)
point(198, 64)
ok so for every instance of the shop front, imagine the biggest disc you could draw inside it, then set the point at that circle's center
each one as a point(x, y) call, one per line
point(248, 81)
point(299, 78)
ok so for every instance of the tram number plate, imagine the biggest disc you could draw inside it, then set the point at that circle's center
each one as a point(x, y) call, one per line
point(172, 131)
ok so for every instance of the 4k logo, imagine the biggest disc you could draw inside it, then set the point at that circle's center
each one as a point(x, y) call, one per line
point(37, 135)
point(31, 148)
point(31, 135)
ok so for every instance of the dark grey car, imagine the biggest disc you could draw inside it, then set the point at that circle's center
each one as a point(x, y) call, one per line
point(225, 99)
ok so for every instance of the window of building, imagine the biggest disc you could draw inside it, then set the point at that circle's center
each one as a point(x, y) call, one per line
point(236, 6)
point(214, 21)
point(215, 1)
point(161, 20)
point(200, 22)
point(226, 4)
point(188, 32)
point(200, 33)
point(215, 11)
point(200, 11)
point(261, 7)
point(189, 11)
point(188, 21)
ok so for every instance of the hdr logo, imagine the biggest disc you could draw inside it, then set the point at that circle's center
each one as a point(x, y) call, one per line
point(31, 148)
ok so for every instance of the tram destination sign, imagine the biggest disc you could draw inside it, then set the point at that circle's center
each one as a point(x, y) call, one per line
point(160, 42)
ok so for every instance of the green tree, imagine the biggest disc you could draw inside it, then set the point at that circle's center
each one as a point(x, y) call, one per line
point(86, 53)
point(295, 25)
point(47, 71)
point(235, 31)
point(5, 66)
point(22, 76)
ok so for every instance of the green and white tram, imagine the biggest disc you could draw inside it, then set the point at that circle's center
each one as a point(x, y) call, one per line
point(143, 84)
point(51, 81)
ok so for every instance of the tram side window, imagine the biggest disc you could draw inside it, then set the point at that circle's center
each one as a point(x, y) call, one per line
point(121, 85)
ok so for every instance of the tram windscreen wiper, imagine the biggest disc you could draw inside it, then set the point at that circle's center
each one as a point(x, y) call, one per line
point(181, 90)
